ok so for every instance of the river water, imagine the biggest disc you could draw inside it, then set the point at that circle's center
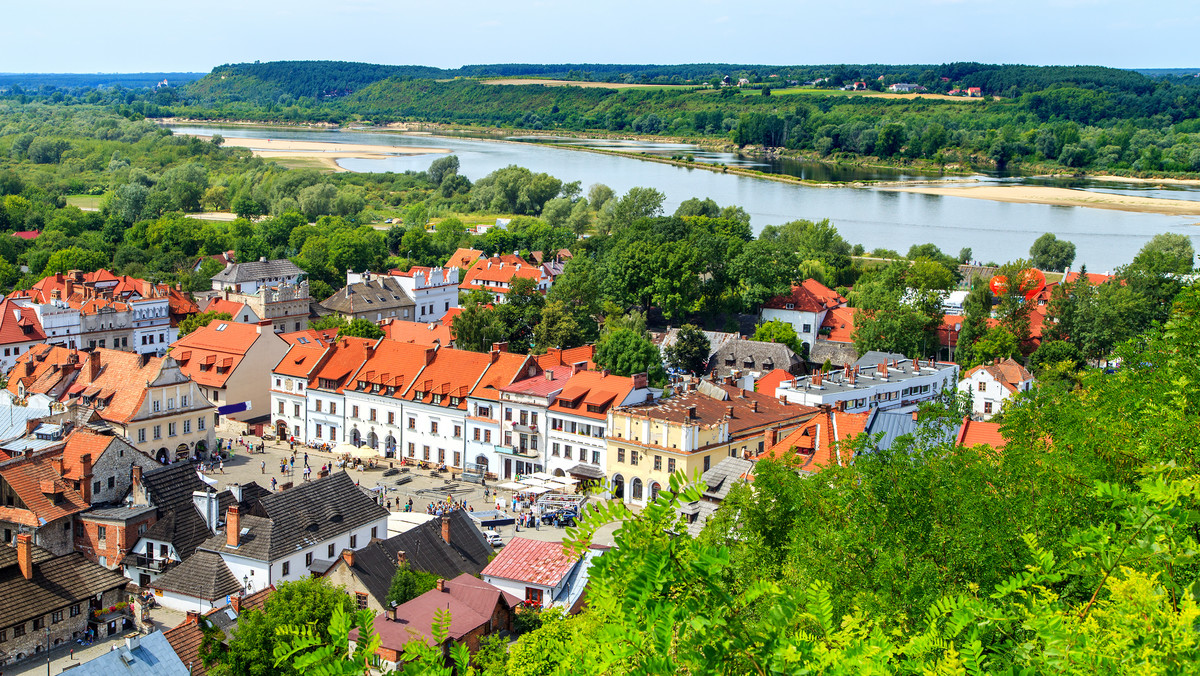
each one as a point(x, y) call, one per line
point(995, 231)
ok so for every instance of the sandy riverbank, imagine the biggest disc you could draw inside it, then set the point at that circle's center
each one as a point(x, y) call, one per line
point(324, 152)
point(1065, 197)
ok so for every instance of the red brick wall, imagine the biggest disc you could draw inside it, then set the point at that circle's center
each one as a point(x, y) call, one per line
point(118, 539)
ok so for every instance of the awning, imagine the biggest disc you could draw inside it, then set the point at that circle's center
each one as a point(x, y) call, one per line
point(513, 486)
point(586, 471)
point(541, 475)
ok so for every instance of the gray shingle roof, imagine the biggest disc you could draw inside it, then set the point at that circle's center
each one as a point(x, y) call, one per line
point(152, 657)
point(256, 270)
point(170, 487)
point(183, 527)
point(58, 582)
point(721, 477)
point(374, 568)
point(202, 575)
point(311, 513)
point(425, 549)
point(381, 293)
point(753, 355)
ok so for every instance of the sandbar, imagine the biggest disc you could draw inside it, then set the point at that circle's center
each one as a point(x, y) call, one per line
point(1065, 197)
point(324, 152)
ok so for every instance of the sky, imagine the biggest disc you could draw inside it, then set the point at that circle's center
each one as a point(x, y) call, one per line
point(85, 36)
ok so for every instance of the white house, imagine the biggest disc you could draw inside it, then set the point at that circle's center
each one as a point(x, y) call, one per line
point(434, 290)
point(804, 307)
point(578, 421)
point(878, 380)
point(540, 573)
point(152, 330)
point(990, 385)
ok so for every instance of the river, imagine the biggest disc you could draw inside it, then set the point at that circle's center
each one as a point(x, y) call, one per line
point(994, 231)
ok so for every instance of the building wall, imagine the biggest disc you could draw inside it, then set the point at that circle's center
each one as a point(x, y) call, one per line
point(887, 395)
point(594, 447)
point(342, 576)
point(183, 603)
point(10, 351)
point(290, 408)
point(365, 426)
point(139, 547)
point(331, 421)
point(297, 567)
point(798, 320)
point(248, 381)
point(994, 392)
point(114, 471)
point(194, 421)
point(65, 631)
point(119, 539)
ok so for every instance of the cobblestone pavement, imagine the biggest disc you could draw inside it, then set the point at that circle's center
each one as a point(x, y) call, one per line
point(63, 658)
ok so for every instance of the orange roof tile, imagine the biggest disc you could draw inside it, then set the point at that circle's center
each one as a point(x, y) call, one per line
point(301, 360)
point(771, 381)
point(1007, 372)
point(311, 336)
point(118, 379)
point(463, 258)
point(815, 443)
point(450, 372)
point(581, 385)
point(505, 371)
point(975, 433)
point(532, 561)
point(489, 274)
point(37, 483)
point(19, 324)
point(223, 344)
point(417, 332)
point(80, 442)
point(840, 322)
point(810, 296)
point(348, 354)
point(219, 304)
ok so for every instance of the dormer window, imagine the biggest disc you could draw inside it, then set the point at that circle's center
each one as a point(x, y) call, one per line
point(791, 306)
point(454, 401)
point(419, 396)
point(437, 398)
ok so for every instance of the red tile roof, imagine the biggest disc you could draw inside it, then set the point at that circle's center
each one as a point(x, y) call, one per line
point(348, 354)
point(19, 324)
point(417, 332)
point(810, 296)
point(488, 275)
point(1008, 373)
point(450, 373)
point(840, 322)
point(311, 335)
point(1092, 277)
point(37, 484)
point(464, 258)
point(218, 304)
point(502, 373)
point(974, 433)
point(210, 354)
point(301, 360)
point(815, 443)
point(592, 385)
point(27, 234)
point(771, 381)
point(471, 603)
point(53, 367)
point(79, 442)
point(531, 562)
point(391, 364)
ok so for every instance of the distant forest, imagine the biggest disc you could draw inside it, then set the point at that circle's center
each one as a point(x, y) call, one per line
point(1030, 118)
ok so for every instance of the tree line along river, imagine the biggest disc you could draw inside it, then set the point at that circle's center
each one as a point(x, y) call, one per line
point(995, 231)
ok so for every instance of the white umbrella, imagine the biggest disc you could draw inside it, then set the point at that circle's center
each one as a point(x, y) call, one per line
point(535, 483)
point(537, 491)
point(355, 451)
point(566, 481)
point(541, 475)
point(513, 486)
point(557, 485)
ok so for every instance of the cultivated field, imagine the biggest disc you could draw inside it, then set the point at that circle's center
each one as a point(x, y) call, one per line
point(572, 83)
point(810, 91)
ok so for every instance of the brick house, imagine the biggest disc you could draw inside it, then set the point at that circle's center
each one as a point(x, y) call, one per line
point(49, 600)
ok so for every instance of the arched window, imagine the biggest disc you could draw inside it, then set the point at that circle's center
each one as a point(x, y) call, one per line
point(618, 486)
point(636, 489)
point(654, 488)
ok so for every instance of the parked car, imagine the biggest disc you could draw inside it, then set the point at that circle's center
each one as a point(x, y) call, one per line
point(494, 539)
point(562, 518)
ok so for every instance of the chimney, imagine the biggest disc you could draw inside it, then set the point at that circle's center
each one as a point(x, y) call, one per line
point(493, 356)
point(28, 368)
point(348, 557)
point(729, 411)
point(85, 484)
point(446, 528)
point(441, 585)
point(193, 617)
point(556, 353)
point(550, 374)
point(233, 527)
point(691, 412)
point(69, 287)
point(57, 463)
point(132, 641)
point(236, 603)
point(500, 347)
point(369, 350)
point(25, 556)
point(236, 491)
point(93, 367)
point(640, 381)
point(882, 370)
point(770, 437)
point(137, 490)
point(401, 559)
point(754, 405)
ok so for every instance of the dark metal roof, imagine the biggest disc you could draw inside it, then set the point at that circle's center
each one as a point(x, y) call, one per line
point(423, 546)
point(256, 270)
point(202, 575)
point(117, 512)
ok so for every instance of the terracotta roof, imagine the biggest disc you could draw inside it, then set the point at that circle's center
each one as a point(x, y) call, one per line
point(415, 368)
point(463, 258)
point(532, 562)
point(568, 357)
point(751, 410)
point(219, 304)
point(489, 274)
point(225, 342)
point(840, 322)
point(310, 336)
point(96, 305)
point(417, 332)
point(470, 602)
point(347, 355)
point(813, 442)
point(301, 360)
point(581, 385)
point(46, 496)
point(1008, 373)
point(975, 433)
point(120, 372)
point(810, 296)
point(772, 380)
point(85, 441)
point(27, 234)
point(500, 374)
point(1092, 277)
point(19, 324)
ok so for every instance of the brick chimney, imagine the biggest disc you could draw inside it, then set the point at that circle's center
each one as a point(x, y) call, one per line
point(729, 411)
point(401, 559)
point(348, 557)
point(93, 366)
point(691, 412)
point(233, 527)
point(85, 483)
point(754, 405)
point(193, 617)
point(138, 488)
point(25, 556)
point(441, 585)
point(446, 528)
point(770, 437)
point(500, 347)
point(235, 602)
point(57, 463)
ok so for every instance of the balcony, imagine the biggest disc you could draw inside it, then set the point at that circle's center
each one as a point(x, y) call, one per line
point(518, 452)
point(149, 563)
point(528, 429)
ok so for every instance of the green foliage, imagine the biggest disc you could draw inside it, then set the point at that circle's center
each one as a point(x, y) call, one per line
point(196, 321)
point(328, 322)
point(689, 352)
point(997, 343)
point(776, 331)
point(1050, 253)
point(625, 352)
point(362, 328)
point(477, 327)
point(407, 584)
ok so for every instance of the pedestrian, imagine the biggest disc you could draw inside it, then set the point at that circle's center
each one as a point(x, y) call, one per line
point(222, 467)
point(264, 466)
point(273, 483)
point(306, 459)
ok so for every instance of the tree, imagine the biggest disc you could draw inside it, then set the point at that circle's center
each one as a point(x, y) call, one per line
point(1054, 352)
point(251, 649)
point(76, 258)
point(776, 331)
point(443, 168)
point(476, 328)
point(1050, 253)
point(637, 204)
point(997, 343)
point(328, 322)
point(977, 310)
point(1167, 252)
point(624, 353)
point(520, 313)
point(362, 328)
point(407, 584)
point(689, 353)
point(189, 324)
point(558, 328)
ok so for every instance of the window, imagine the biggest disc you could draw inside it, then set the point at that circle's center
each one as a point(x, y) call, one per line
point(567, 451)
point(319, 404)
point(554, 449)
point(982, 386)
point(39, 623)
point(508, 439)
point(658, 463)
point(620, 455)
point(412, 423)
point(361, 599)
point(162, 551)
point(183, 401)
point(458, 431)
point(333, 408)
point(707, 462)
point(287, 568)
point(633, 457)
point(475, 434)
point(433, 427)
point(353, 542)
point(508, 413)
point(391, 417)
point(373, 417)
point(457, 459)
point(412, 449)
point(487, 436)
point(112, 482)
point(808, 328)
point(157, 405)
point(171, 429)
point(170, 403)
point(425, 452)
point(374, 532)
point(354, 412)
point(595, 457)
point(331, 550)
point(142, 436)
point(76, 609)
point(101, 533)
point(319, 426)
point(296, 410)
point(671, 465)
point(200, 423)
point(19, 630)
point(308, 559)
point(533, 597)
point(187, 426)
point(158, 431)
point(987, 407)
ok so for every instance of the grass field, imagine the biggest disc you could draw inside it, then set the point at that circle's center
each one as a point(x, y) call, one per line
point(810, 91)
point(85, 202)
point(573, 83)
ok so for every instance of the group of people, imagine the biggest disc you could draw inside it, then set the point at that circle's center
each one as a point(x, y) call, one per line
point(444, 506)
